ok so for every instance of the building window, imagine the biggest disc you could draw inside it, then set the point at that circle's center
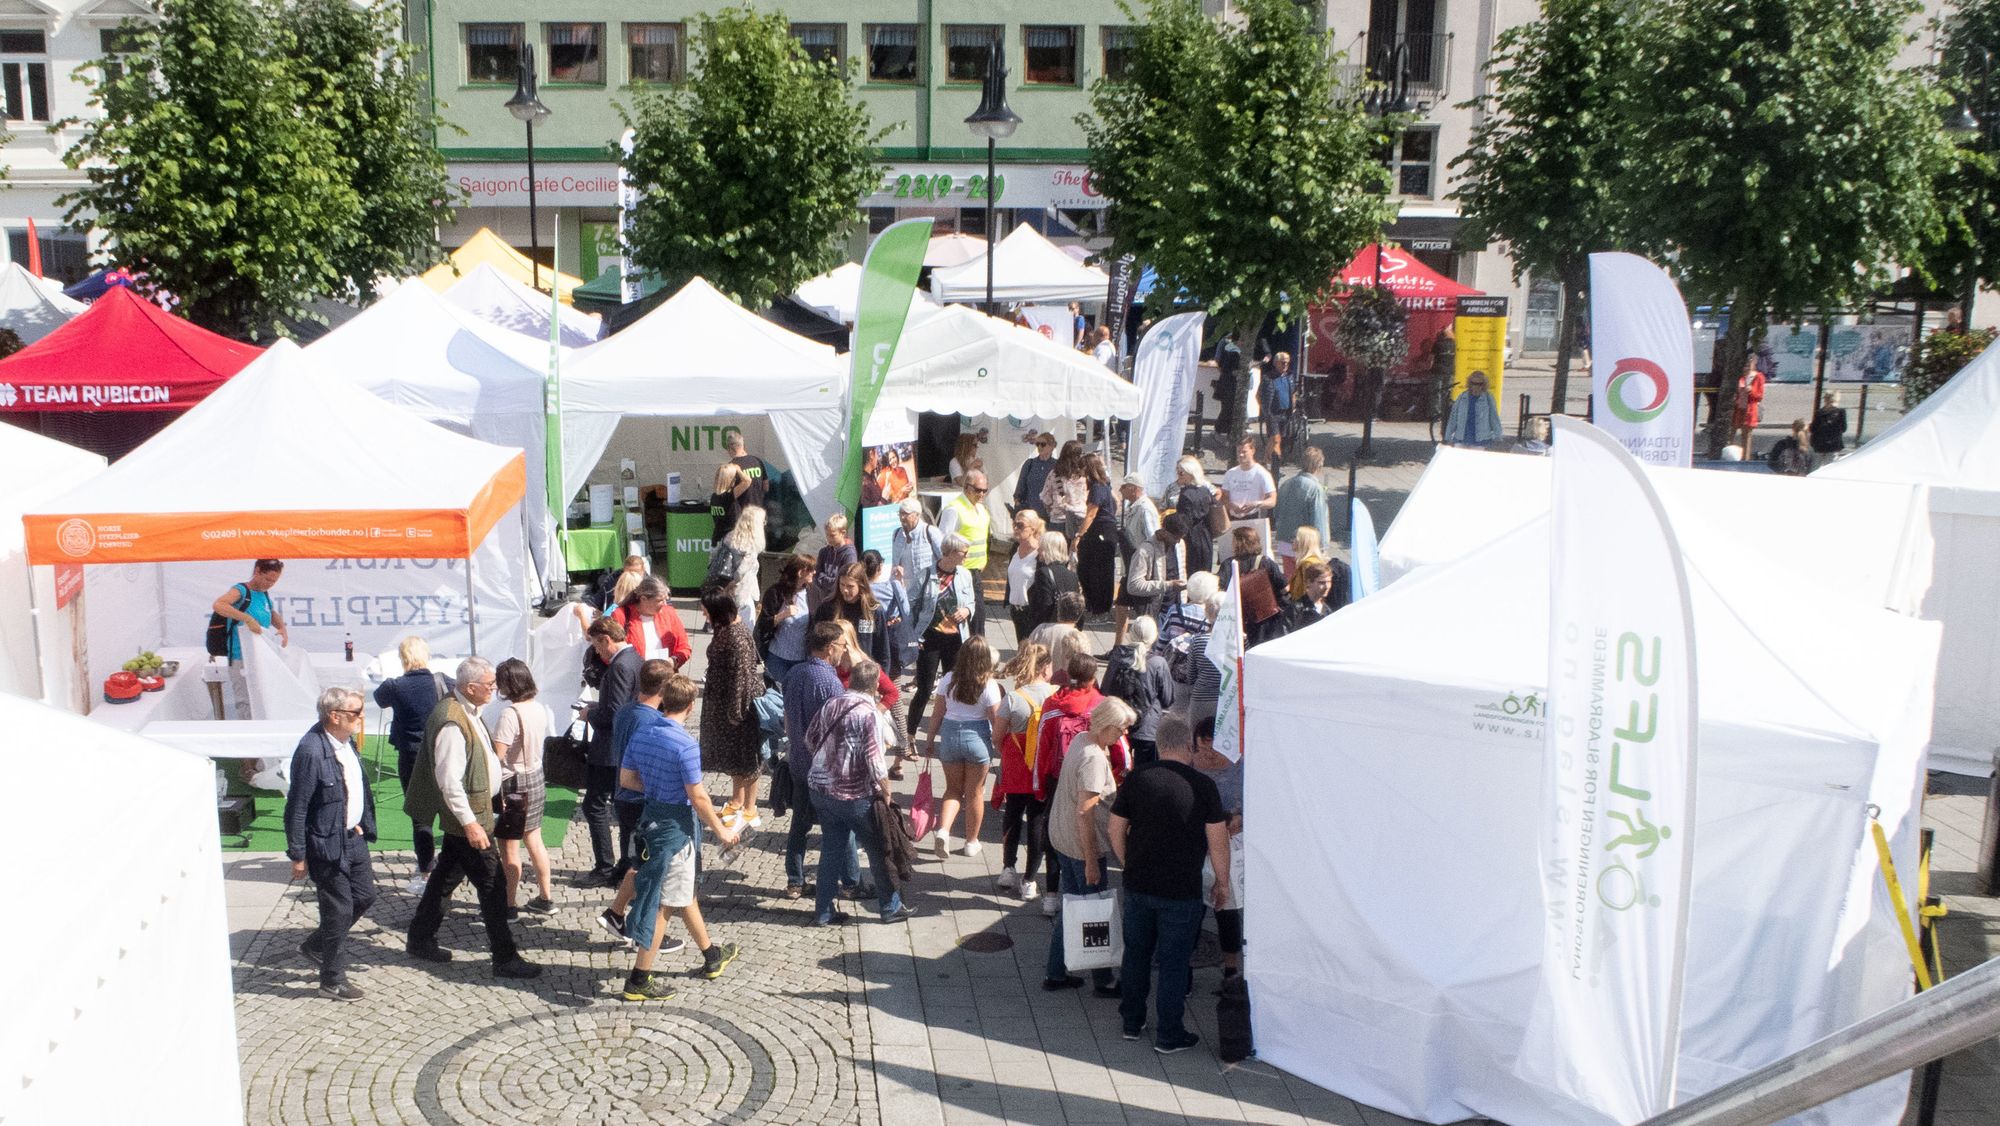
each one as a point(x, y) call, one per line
point(654, 52)
point(1119, 45)
point(965, 48)
point(823, 42)
point(114, 44)
point(879, 219)
point(576, 52)
point(1412, 164)
point(26, 80)
point(493, 52)
point(892, 52)
point(1050, 54)
point(65, 254)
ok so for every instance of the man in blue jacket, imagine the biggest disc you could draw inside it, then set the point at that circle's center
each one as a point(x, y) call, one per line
point(329, 820)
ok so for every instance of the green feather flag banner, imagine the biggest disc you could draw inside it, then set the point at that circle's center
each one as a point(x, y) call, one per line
point(888, 281)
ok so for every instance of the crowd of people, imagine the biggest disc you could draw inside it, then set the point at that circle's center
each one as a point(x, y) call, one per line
point(845, 670)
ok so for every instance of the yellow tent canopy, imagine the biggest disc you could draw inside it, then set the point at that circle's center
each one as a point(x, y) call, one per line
point(487, 248)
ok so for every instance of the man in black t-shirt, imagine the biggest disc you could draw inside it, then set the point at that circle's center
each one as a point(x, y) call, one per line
point(1166, 819)
point(741, 481)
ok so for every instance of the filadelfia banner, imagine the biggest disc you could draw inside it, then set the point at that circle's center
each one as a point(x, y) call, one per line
point(1118, 300)
point(888, 281)
point(1641, 359)
point(1164, 368)
point(1225, 649)
point(1618, 804)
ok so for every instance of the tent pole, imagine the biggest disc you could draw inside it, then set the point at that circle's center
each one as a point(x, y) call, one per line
point(35, 616)
point(471, 611)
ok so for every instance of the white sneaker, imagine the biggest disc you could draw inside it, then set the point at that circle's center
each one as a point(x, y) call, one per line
point(972, 848)
point(1028, 889)
point(1009, 880)
point(941, 844)
point(757, 822)
point(416, 884)
point(1050, 905)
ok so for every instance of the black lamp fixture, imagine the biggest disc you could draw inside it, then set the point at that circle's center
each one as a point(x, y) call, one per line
point(527, 108)
point(995, 121)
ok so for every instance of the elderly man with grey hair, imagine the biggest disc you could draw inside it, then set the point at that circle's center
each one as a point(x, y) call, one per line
point(329, 820)
point(458, 779)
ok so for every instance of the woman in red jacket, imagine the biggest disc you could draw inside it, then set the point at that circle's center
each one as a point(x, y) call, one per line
point(1749, 405)
point(653, 627)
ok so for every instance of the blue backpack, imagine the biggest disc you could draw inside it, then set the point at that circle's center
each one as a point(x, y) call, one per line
point(1281, 392)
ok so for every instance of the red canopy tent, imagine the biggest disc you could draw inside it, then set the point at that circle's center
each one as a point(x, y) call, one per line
point(1430, 298)
point(126, 355)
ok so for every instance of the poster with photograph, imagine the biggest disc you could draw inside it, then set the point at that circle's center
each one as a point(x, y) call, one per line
point(1867, 353)
point(888, 476)
point(1794, 351)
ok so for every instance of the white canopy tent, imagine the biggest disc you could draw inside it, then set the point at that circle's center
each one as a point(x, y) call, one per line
point(1468, 498)
point(1393, 796)
point(1027, 269)
point(35, 469)
point(416, 350)
point(835, 294)
point(138, 972)
point(953, 250)
point(1951, 443)
point(955, 360)
point(494, 297)
point(701, 355)
point(376, 510)
point(33, 307)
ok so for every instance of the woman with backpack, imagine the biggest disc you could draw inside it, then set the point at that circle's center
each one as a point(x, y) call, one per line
point(732, 566)
point(1053, 579)
point(1138, 675)
point(960, 735)
point(1195, 501)
point(1022, 807)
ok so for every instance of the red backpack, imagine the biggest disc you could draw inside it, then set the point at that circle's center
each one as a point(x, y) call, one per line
point(1058, 729)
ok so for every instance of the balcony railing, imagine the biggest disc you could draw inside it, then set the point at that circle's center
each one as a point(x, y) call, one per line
point(1427, 62)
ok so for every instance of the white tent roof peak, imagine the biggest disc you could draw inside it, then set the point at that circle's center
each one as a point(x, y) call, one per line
point(954, 359)
point(1951, 440)
point(411, 347)
point(29, 305)
point(498, 299)
point(1026, 268)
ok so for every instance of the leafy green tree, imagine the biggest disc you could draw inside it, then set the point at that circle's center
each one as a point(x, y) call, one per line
point(1778, 159)
point(1939, 357)
point(211, 172)
point(1540, 173)
point(357, 73)
point(751, 173)
point(1965, 251)
point(1235, 163)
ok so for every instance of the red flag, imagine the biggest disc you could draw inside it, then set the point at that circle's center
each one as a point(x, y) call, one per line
point(34, 250)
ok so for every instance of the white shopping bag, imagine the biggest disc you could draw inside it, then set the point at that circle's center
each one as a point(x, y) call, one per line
point(1093, 932)
point(1235, 877)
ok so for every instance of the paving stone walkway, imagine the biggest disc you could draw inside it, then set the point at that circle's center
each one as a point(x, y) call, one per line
point(937, 1020)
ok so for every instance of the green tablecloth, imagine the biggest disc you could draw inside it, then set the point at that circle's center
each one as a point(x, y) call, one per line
point(595, 549)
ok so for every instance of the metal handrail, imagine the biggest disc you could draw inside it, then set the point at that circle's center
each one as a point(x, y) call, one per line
point(1933, 1024)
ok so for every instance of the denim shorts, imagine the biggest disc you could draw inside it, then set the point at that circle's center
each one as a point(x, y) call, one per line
point(966, 740)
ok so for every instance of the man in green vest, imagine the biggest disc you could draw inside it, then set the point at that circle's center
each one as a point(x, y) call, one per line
point(457, 779)
point(966, 515)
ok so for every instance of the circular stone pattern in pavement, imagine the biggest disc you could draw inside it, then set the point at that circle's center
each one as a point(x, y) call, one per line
point(651, 1063)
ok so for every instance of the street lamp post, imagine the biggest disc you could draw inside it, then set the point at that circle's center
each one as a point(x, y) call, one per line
point(1390, 98)
point(994, 121)
point(527, 108)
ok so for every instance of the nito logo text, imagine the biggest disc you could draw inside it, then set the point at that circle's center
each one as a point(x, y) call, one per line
point(1620, 391)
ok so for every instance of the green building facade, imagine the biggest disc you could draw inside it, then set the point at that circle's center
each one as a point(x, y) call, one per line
point(919, 66)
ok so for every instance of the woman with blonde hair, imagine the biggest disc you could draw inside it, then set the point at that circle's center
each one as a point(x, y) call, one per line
point(1021, 568)
point(1054, 577)
point(1306, 549)
point(409, 699)
point(969, 710)
point(1193, 497)
point(732, 566)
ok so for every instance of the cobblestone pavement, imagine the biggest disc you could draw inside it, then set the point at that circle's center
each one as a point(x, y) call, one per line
point(937, 1020)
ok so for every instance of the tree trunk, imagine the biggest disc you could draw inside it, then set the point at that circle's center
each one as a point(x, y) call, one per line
point(1246, 342)
point(1729, 359)
point(1573, 276)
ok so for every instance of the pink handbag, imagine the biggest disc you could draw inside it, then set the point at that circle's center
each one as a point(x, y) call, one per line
point(923, 807)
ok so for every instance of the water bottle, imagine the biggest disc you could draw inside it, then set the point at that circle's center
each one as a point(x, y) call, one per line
point(350, 648)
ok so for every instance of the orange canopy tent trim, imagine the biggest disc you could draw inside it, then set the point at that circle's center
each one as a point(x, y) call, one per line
point(112, 537)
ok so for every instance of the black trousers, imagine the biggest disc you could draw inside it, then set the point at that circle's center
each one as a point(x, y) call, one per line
point(459, 861)
point(406, 761)
point(978, 619)
point(936, 650)
point(628, 837)
point(1097, 570)
point(1024, 624)
point(1025, 821)
point(599, 784)
point(346, 890)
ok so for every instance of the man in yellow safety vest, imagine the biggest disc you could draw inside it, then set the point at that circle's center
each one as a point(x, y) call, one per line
point(966, 515)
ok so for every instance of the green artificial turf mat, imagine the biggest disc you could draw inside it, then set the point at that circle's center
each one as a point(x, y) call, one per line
point(392, 828)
